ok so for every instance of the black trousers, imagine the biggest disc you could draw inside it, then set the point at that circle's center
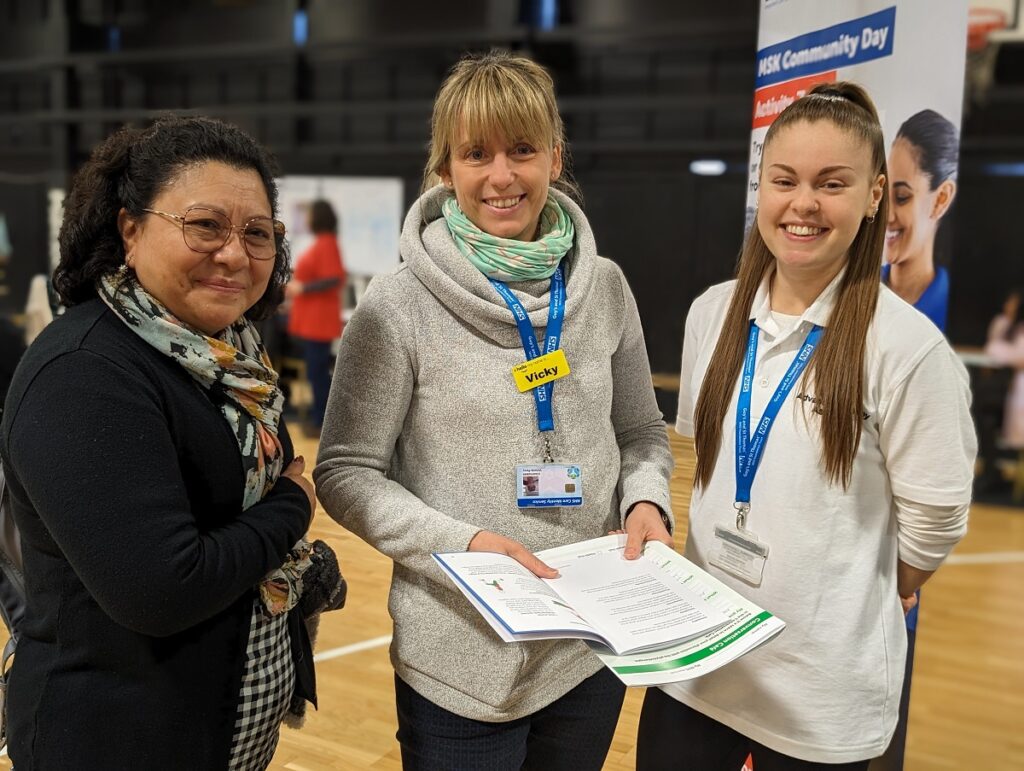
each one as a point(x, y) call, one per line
point(572, 733)
point(673, 737)
point(892, 759)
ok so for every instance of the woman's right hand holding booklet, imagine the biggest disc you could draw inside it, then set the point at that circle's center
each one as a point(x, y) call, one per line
point(644, 522)
point(486, 540)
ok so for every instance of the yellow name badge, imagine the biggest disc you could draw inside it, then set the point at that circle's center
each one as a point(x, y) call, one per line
point(544, 369)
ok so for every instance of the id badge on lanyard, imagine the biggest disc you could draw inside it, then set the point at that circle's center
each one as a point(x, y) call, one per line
point(738, 551)
point(546, 484)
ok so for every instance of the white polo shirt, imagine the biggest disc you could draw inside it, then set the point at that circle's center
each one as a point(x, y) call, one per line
point(828, 688)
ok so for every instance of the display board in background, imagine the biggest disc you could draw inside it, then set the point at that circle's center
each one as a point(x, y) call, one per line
point(54, 217)
point(22, 240)
point(369, 210)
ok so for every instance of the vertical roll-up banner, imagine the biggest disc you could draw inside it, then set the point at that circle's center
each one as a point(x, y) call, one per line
point(909, 55)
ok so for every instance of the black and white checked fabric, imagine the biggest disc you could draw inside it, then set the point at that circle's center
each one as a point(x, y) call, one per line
point(267, 685)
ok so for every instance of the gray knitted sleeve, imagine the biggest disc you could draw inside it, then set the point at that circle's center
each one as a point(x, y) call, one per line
point(370, 396)
point(639, 429)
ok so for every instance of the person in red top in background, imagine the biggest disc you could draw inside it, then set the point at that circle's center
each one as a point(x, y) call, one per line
point(315, 291)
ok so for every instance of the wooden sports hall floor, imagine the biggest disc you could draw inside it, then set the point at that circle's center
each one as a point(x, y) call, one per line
point(967, 710)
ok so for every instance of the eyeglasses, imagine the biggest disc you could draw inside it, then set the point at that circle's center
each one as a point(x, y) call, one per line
point(206, 231)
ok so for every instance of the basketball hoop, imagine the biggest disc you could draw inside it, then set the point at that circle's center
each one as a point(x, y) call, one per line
point(981, 54)
point(981, 22)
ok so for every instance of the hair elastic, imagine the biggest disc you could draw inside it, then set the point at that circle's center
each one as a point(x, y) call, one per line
point(830, 96)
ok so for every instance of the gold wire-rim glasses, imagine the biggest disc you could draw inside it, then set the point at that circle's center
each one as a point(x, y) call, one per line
point(223, 230)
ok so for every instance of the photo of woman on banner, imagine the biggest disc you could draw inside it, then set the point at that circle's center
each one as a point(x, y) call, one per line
point(922, 185)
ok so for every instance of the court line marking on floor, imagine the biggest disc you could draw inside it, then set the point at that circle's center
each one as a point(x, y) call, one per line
point(333, 653)
point(986, 558)
point(345, 650)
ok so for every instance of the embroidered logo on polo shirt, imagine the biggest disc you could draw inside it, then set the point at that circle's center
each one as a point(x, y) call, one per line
point(816, 404)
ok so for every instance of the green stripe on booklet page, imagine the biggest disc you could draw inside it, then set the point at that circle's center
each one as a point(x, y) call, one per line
point(703, 653)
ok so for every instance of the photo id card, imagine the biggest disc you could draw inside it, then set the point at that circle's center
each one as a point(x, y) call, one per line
point(545, 485)
point(740, 554)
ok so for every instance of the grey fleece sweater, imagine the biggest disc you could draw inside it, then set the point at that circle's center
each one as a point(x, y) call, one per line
point(424, 429)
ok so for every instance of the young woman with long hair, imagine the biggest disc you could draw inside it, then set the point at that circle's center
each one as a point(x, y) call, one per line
point(834, 460)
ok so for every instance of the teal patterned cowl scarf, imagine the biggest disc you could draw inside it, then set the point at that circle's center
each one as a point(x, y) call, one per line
point(507, 259)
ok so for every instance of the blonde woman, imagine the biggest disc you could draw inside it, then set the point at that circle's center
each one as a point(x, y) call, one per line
point(427, 437)
point(834, 460)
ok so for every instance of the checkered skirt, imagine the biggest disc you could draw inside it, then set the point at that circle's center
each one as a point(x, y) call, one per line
point(267, 685)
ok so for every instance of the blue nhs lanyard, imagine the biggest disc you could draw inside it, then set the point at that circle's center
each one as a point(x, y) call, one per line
point(750, 449)
point(556, 315)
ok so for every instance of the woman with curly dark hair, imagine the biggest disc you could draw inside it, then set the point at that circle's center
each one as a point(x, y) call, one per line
point(161, 510)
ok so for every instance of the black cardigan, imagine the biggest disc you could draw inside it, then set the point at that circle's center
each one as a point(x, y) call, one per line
point(12, 346)
point(140, 563)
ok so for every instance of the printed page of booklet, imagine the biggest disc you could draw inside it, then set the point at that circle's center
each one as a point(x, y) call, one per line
point(749, 626)
point(628, 606)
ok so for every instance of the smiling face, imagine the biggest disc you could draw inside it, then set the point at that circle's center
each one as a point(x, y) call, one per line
point(914, 208)
point(817, 186)
point(502, 185)
point(206, 291)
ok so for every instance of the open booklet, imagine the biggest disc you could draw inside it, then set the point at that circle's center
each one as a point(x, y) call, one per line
point(654, 620)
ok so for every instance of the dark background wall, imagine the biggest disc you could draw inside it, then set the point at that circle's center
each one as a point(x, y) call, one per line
point(645, 86)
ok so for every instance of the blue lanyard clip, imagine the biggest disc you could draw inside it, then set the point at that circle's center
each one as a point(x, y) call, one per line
point(742, 509)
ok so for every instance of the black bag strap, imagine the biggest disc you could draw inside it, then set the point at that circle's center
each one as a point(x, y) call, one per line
point(12, 578)
point(12, 593)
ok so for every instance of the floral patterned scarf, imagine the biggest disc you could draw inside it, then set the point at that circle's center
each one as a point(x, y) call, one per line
point(234, 369)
